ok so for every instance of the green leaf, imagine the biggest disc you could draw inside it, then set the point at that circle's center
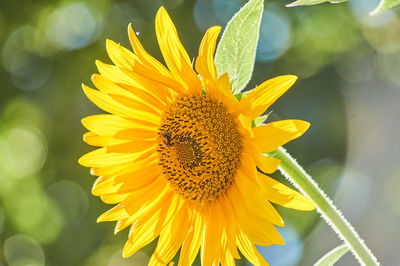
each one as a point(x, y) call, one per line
point(332, 256)
point(239, 96)
point(259, 120)
point(313, 2)
point(384, 5)
point(236, 51)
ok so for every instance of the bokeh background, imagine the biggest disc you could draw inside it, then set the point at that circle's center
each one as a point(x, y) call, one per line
point(348, 65)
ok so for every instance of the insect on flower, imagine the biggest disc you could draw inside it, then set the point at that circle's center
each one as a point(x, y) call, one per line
point(167, 137)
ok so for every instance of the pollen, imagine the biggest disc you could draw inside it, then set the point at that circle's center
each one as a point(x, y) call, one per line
point(199, 148)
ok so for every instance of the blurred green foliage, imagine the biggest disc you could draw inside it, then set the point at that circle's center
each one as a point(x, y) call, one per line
point(348, 67)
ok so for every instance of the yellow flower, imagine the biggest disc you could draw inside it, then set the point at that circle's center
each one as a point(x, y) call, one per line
point(179, 154)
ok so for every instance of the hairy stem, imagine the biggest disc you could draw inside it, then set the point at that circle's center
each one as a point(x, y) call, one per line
point(303, 181)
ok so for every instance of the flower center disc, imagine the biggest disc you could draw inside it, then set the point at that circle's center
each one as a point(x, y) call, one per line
point(199, 148)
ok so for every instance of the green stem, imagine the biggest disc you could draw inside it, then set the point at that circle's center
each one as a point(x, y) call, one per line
point(295, 173)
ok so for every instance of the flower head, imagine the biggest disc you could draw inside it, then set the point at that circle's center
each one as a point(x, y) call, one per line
point(180, 157)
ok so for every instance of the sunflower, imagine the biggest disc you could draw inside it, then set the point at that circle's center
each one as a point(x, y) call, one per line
point(180, 156)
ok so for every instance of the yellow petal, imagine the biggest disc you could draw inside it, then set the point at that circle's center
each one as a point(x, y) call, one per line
point(260, 230)
point(115, 74)
point(270, 136)
point(113, 198)
point(136, 146)
point(149, 67)
point(137, 104)
point(138, 203)
point(117, 213)
point(280, 194)
point(100, 158)
point(145, 96)
point(105, 102)
point(115, 54)
point(225, 256)
point(205, 65)
point(267, 164)
point(131, 80)
point(107, 86)
point(171, 238)
point(257, 101)
point(136, 134)
point(152, 64)
point(128, 182)
point(249, 250)
point(119, 168)
point(110, 105)
point(105, 185)
point(174, 53)
point(247, 165)
point(170, 204)
point(109, 125)
point(148, 226)
point(131, 186)
point(146, 202)
point(254, 202)
point(102, 141)
point(145, 231)
point(191, 244)
point(227, 259)
point(211, 246)
point(220, 91)
point(229, 226)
